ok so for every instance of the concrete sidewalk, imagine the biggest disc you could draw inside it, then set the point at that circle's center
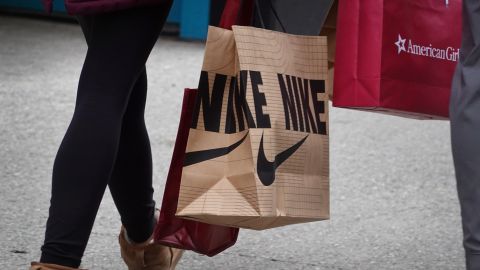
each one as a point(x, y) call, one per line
point(393, 198)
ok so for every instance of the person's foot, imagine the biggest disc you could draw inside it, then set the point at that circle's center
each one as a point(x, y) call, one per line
point(147, 255)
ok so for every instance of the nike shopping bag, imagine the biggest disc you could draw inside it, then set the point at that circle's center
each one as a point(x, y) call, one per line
point(397, 56)
point(181, 233)
point(257, 151)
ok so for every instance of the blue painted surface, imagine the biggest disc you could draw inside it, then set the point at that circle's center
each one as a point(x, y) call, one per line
point(192, 16)
point(175, 12)
point(33, 5)
point(195, 18)
point(58, 6)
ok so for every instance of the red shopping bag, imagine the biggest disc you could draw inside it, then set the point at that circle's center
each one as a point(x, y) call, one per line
point(180, 233)
point(397, 56)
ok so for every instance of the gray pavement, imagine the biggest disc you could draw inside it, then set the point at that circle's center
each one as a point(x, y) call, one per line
point(393, 198)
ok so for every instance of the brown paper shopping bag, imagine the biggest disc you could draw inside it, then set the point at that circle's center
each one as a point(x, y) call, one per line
point(257, 152)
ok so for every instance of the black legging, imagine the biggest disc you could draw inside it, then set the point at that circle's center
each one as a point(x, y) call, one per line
point(107, 141)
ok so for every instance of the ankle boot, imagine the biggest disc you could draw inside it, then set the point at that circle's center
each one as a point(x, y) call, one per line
point(48, 266)
point(148, 255)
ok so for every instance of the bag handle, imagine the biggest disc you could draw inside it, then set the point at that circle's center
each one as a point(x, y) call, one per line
point(240, 12)
point(274, 11)
point(236, 12)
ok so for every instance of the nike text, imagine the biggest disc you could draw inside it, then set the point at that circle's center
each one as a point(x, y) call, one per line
point(300, 97)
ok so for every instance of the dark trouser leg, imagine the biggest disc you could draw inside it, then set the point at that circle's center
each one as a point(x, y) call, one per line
point(465, 131)
point(119, 46)
point(131, 180)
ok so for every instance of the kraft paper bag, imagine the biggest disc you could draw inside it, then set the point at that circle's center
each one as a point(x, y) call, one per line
point(257, 155)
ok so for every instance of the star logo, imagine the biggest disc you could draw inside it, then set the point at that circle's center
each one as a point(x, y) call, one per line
point(400, 44)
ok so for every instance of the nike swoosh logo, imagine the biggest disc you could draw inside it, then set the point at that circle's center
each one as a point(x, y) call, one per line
point(204, 155)
point(266, 169)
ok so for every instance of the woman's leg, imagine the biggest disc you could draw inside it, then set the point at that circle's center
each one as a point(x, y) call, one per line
point(131, 180)
point(119, 46)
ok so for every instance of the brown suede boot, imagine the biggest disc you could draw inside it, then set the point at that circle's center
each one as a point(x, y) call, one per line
point(148, 255)
point(48, 266)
